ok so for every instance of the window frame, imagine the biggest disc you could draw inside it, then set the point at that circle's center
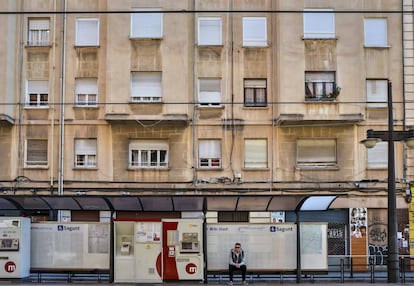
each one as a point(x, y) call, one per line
point(323, 81)
point(211, 158)
point(377, 157)
point(259, 153)
point(306, 147)
point(88, 88)
point(40, 153)
point(216, 31)
point(153, 85)
point(41, 36)
point(311, 19)
point(253, 39)
point(147, 148)
point(36, 92)
point(377, 100)
point(374, 36)
point(204, 96)
point(85, 150)
point(136, 33)
point(86, 38)
point(256, 87)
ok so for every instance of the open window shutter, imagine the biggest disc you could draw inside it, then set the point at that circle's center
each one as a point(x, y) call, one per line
point(146, 84)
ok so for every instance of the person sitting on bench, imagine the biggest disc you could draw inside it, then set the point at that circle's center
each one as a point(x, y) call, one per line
point(237, 262)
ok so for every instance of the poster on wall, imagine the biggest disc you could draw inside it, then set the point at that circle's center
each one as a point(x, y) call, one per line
point(358, 227)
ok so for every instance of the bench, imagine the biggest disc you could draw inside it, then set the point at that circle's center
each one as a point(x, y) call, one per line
point(70, 272)
point(264, 273)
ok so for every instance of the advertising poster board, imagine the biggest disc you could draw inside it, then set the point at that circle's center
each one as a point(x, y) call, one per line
point(268, 246)
point(70, 245)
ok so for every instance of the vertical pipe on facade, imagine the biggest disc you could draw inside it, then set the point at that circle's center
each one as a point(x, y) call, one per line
point(405, 164)
point(193, 129)
point(21, 98)
point(62, 99)
point(233, 126)
point(272, 84)
point(52, 92)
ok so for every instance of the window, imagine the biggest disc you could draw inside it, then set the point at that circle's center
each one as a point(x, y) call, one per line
point(255, 92)
point(377, 93)
point(209, 154)
point(148, 154)
point(37, 93)
point(316, 152)
point(375, 32)
point(85, 153)
point(36, 152)
point(87, 32)
point(319, 23)
point(209, 31)
point(254, 31)
point(255, 153)
point(86, 91)
point(146, 87)
point(320, 86)
point(38, 32)
point(209, 92)
point(377, 157)
point(146, 24)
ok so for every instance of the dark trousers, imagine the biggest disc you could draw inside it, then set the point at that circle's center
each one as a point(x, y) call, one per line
point(233, 268)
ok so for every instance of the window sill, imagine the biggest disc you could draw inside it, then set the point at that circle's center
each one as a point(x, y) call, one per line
point(255, 107)
point(316, 167)
point(377, 47)
point(145, 38)
point(37, 167)
point(379, 168)
point(320, 100)
point(209, 168)
point(148, 169)
point(210, 45)
point(37, 107)
point(145, 102)
point(48, 45)
point(80, 168)
point(255, 169)
point(203, 107)
point(320, 38)
point(255, 46)
point(86, 107)
point(86, 46)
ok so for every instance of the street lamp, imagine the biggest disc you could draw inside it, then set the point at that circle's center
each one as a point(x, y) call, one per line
point(391, 136)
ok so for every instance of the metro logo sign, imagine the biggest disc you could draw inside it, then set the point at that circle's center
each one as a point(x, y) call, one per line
point(10, 267)
point(191, 268)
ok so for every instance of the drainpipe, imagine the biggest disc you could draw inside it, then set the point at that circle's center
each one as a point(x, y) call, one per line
point(52, 92)
point(20, 104)
point(62, 101)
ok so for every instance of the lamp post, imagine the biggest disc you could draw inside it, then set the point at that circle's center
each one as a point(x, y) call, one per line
point(391, 136)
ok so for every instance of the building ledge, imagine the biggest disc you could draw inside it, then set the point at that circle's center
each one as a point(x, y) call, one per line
point(314, 120)
point(148, 120)
point(6, 120)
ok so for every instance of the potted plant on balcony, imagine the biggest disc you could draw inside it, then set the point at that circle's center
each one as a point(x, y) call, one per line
point(334, 94)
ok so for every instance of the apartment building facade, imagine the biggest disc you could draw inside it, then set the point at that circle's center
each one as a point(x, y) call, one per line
point(250, 98)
